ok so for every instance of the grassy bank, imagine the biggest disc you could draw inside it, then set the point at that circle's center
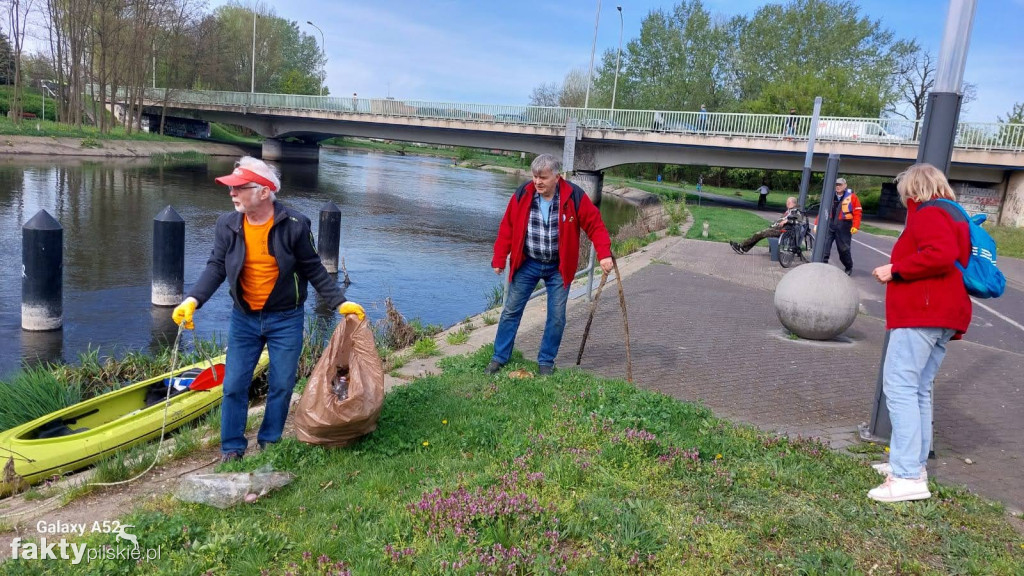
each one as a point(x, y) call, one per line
point(461, 155)
point(573, 474)
point(1009, 241)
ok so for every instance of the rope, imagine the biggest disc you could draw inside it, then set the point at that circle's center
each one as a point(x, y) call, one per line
point(163, 426)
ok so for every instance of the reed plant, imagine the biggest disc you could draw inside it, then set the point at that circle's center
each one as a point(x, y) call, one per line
point(32, 393)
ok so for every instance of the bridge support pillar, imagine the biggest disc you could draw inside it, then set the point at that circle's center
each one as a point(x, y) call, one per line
point(274, 149)
point(592, 182)
point(1012, 213)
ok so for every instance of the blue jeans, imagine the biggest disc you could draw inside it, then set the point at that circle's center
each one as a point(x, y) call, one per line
point(523, 283)
point(281, 332)
point(911, 362)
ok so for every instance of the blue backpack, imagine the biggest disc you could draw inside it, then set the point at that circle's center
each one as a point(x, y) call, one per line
point(981, 276)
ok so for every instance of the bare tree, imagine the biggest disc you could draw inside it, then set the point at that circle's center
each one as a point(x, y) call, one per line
point(17, 13)
point(915, 78)
point(545, 94)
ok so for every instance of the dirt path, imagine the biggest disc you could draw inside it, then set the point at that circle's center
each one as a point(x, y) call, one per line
point(107, 503)
point(49, 146)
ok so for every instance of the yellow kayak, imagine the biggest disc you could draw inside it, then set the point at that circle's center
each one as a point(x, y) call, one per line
point(79, 435)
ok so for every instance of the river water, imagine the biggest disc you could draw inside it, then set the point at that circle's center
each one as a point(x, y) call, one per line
point(413, 228)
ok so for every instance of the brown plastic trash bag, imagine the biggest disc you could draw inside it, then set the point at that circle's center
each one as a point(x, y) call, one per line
point(345, 392)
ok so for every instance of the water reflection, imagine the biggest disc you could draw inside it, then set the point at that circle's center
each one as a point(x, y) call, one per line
point(413, 228)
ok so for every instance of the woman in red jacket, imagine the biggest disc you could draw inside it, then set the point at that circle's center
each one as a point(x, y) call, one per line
point(926, 305)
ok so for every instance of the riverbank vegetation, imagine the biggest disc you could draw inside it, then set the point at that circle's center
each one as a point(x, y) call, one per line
point(572, 474)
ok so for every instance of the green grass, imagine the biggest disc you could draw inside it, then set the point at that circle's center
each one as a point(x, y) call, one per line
point(724, 224)
point(879, 231)
point(566, 474)
point(460, 336)
point(31, 102)
point(1009, 241)
point(470, 157)
point(426, 346)
point(32, 393)
point(47, 128)
point(229, 135)
point(185, 158)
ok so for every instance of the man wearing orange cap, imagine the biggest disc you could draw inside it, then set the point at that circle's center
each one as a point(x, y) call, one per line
point(266, 252)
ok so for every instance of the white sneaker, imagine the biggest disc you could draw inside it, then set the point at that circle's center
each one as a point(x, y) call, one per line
point(885, 469)
point(900, 490)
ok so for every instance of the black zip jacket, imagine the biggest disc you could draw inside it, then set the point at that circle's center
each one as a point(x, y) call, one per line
point(291, 244)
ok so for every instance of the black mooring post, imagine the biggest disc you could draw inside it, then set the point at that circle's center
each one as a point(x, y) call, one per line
point(42, 279)
point(329, 240)
point(168, 258)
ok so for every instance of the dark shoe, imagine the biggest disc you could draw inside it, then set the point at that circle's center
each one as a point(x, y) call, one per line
point(543, 370)
point(849, 271)
point(737, 248)
point(230, 457)
point(493, 368)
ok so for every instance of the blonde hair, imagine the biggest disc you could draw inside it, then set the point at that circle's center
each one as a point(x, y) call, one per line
point(921, 183)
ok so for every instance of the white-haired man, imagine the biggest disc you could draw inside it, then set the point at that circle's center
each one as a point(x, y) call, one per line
point(541, 233)
point(266, 252)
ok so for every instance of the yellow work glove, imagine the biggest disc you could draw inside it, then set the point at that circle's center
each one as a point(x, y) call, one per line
point(183, 313)
point(854, 230)
point(352, 308)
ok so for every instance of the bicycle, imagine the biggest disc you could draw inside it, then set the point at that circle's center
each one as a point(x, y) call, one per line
point(796, 240)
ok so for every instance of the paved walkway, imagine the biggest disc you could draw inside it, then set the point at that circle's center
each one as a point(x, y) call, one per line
point(704, 328)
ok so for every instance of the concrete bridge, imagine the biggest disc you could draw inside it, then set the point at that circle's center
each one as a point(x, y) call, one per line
point(987, 157)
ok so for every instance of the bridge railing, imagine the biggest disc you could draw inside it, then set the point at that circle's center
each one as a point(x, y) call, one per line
point(890, 131)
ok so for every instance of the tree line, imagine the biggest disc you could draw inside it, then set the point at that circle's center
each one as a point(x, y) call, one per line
point(112, 50)
point(777, 59)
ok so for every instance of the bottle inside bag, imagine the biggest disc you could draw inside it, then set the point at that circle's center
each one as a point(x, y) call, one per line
point(340, 384)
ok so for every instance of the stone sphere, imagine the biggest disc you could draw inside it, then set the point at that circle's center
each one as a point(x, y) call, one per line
point(816, 301)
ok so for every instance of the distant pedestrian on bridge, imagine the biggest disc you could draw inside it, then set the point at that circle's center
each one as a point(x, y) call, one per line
point(266, 252)
point(926, 306)
point(702, 119)
point(843, 223)
point(540, 231)
point(791, 124)
point(773, 231)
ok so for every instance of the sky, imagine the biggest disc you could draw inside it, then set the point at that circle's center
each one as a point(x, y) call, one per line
point(496, 52)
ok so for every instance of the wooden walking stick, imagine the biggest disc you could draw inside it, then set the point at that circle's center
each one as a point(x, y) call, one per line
point(625, 319)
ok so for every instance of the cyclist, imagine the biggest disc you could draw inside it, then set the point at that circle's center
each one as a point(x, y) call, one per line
point(773, 231)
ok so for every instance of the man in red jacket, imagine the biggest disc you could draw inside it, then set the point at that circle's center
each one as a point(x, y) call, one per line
point(540, 232)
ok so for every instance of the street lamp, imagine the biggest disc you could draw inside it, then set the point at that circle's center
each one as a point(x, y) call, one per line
point(593, 48)
point(618, 54)
point(323, 48)
point(252, 85)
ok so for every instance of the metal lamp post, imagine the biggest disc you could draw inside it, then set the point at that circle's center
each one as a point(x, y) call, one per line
point(252, 84)
point(615, 85)
point(593, 49)
point(323, 48)
point(938, 133)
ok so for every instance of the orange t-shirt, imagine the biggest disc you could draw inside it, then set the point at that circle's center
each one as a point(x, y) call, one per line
point(259, 271)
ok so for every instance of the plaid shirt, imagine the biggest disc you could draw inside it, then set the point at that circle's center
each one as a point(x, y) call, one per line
point(542, 237)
